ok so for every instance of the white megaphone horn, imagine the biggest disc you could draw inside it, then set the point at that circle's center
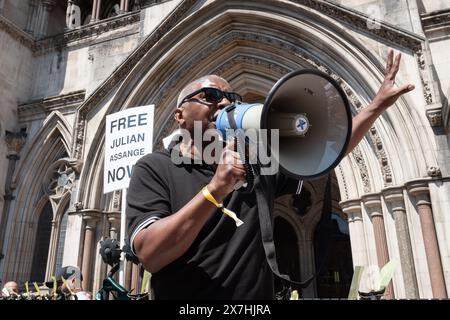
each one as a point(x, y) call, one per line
point(313, 117)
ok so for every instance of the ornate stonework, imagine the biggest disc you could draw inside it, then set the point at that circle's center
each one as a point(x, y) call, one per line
point(357, 155)
point(382, 157)
point(60, 178)
point(422, 63)
point(117, 196)
point(434, 172)
point(435, 117)
point(344, 183)
point(435, 20)
point(14, 141)
point(86, 32)
point(359, 20)
point(65, 103)
point(78, 141)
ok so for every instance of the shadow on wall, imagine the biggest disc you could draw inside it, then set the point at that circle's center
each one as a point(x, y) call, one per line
point(50, 74)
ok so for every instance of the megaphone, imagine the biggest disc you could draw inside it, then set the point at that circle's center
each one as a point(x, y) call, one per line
point(313, 117)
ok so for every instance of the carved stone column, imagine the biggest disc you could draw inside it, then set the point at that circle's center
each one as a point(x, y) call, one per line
point(114, 227)
point(419, 190)
point(96, 7)
point(352, 208)
point(14, 142)
point(124, 6)
point(94, 11)
point(128, 274)
point(394, 197)
point(88, 248)
point(372, 201)
point(135, 278)
point(114, 220)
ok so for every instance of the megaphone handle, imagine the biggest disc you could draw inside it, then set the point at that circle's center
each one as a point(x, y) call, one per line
point(239, 143)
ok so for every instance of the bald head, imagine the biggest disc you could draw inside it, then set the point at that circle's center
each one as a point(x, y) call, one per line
point(11, 286)
point(205, 81)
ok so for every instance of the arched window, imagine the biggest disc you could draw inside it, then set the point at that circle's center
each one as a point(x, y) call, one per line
point(42, 242)
point(61, 240)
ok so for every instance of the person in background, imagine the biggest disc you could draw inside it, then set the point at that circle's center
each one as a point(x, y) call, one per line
point(10, 288)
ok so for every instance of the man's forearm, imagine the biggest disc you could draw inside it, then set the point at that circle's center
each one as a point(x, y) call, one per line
point(167, 239)
point(361, 124)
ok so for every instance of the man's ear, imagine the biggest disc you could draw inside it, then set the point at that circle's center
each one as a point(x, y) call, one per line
point(178, 115)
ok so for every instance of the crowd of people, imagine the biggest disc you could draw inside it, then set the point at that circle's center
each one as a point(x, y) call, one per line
point(65, 285)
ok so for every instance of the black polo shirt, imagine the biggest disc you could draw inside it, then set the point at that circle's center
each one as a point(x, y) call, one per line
point(224, 262)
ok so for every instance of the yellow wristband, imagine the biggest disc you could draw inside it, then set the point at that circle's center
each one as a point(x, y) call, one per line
point(208, 196)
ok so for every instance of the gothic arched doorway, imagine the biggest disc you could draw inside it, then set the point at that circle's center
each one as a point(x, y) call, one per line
point(286, 243)
point(332, 250)
point(44, 228)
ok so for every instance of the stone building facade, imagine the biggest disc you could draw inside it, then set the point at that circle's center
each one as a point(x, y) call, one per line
point(65, 65)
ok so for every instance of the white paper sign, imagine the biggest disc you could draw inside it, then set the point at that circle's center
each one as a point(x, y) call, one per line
point(128, 137)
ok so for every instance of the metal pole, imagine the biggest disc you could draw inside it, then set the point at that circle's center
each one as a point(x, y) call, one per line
point(122, 238)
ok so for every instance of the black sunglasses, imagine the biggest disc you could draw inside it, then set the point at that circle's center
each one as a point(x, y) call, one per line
point(213, 95)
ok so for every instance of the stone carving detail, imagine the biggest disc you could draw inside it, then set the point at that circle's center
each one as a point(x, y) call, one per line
point(434, 172)
point(359, 20)
point(79, 135)
point(435, 117)
point(421, 62)
point(85, 32)
point(117, 196)
point(63, 103)
point(269, 65)
point(60, 178)
point(341, 173)
point(382, 157)
point(357, 155)
point(14, 141)
point(78, 205)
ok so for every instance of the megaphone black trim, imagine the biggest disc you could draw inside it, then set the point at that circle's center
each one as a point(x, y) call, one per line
point(265, 113)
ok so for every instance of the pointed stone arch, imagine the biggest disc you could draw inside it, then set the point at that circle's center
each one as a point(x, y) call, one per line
point(48, 149)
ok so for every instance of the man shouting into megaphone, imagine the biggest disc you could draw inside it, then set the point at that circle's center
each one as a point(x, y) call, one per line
point(189, 227)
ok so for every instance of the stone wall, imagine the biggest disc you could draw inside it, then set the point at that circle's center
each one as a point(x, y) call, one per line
point(433, 5)
point(82, 66)
point(16, 64)
point(16, 11)
point(400, 13)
